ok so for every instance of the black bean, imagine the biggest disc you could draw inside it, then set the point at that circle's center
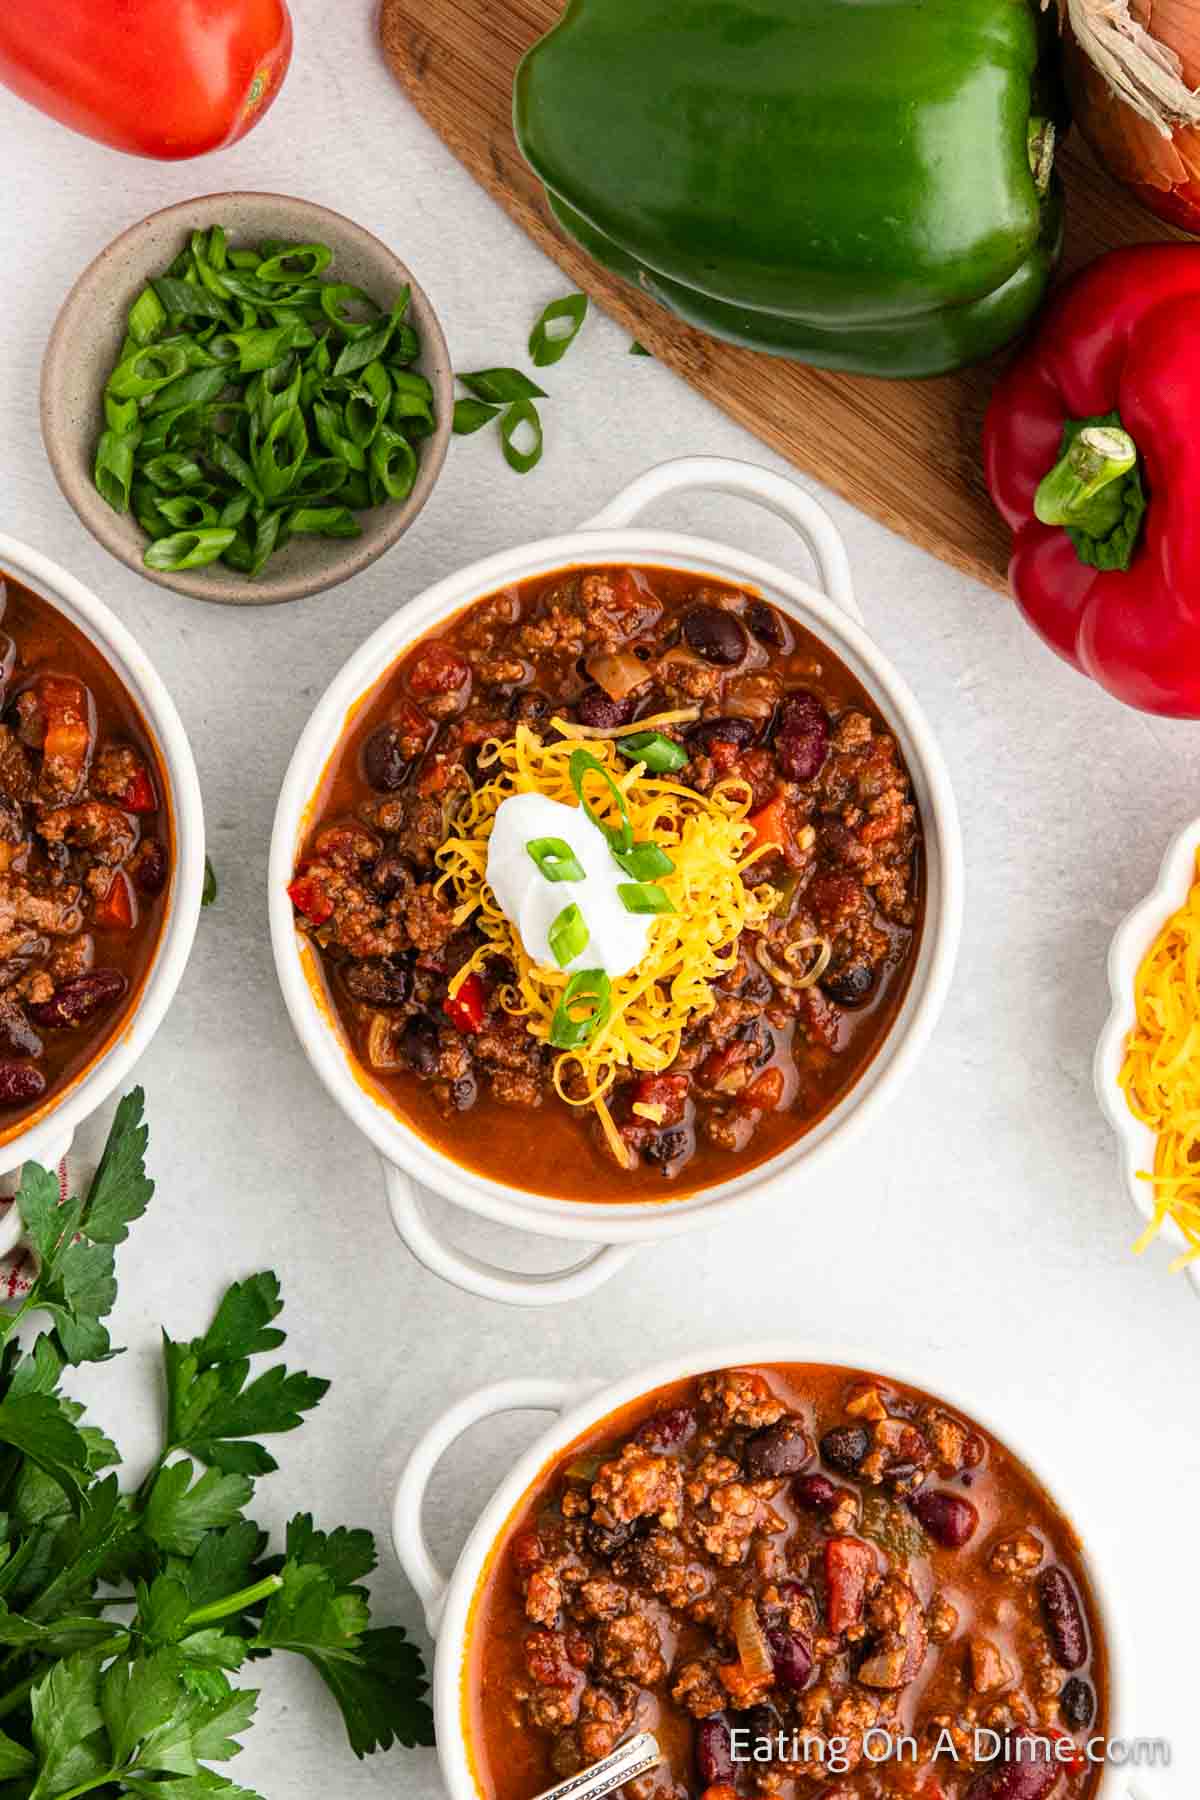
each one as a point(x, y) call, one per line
point(706, 732)
point(384, 762)
point(1064, 1618)
point(844, 1448)
point(779, 1449)
point(666, 1149)
point(379, 980)
point(715, 634)
point(767, 625)
point(849, 985)
point(596, 708)
point(714, 1753)
point(421, 1043)
point(1077, 1703)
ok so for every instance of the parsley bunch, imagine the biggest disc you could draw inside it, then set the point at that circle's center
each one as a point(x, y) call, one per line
point(125, 1614)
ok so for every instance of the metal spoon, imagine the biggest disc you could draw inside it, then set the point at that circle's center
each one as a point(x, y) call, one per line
point(628, 1760)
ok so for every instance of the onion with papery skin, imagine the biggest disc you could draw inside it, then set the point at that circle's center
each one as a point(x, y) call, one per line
point(1133, 75)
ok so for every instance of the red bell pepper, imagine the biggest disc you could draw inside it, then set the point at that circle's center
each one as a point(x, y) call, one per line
point(153, 77)
point(307, 894)
point(1092, 455)
point(465, 1009)
point(139, 796)
point(117, 911)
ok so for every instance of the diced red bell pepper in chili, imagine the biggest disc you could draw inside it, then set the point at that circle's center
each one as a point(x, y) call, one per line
point(765, 1091)
point(1075, 1761)
point(849, 1566)
point(117, 911)
point(466, 1008)
point(139, 796)
point(438, 669)
point(309, 896)
point(772, 828)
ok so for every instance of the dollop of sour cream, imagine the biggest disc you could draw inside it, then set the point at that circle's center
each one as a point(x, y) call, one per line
point(616, 939)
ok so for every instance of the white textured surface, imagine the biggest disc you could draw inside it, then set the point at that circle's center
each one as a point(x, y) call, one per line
point(984, 1221)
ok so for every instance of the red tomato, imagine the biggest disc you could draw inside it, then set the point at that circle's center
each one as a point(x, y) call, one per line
point(118, 909)
point(849, 1565)
point(160, 78)
point(139, 796)
point(466, 1009)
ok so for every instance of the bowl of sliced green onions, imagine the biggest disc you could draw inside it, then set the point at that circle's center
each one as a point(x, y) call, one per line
point(247, 398)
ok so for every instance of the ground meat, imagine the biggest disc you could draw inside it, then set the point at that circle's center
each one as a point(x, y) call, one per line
point(17, 778)
point(638, 1485)
point(658, 1563)
point(429, 923)
point(629, 1647)
point(739, 1398)
point(105, 831)
point(727, 1523)
point(1019, 1556)
point(605, 1715)
point(600, 1599)
point(698, 1690)
point(543, 1598)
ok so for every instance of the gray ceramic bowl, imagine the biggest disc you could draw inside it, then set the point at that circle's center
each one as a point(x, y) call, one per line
point(88, 334)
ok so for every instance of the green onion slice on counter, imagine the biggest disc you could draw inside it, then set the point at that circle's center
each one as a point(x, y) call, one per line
point(522, 412)
point(590, 991)
point(556, 859)
point(547, 346)
point(660, 754)
point(568, 935)
point(644, 897)
point(472, 415)
point(501, 387)
point(645, 862)
point(583, 764)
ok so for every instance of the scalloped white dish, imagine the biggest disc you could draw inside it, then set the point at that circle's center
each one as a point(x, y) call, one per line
point(1133, 938)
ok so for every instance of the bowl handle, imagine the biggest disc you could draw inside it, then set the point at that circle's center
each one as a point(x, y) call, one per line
point(11, 1230)
point(462, 1270)
point(747, 481)
point(408, 1533)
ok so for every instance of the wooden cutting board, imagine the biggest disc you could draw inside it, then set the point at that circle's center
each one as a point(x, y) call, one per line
point(906, 452)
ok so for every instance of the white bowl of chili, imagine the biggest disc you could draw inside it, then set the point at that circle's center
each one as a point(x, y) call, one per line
point(1175, 895)
point(410, 1160)
point(1014, 1485)
point(45, 1136)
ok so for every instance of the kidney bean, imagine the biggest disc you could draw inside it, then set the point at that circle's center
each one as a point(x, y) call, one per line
point(780, 1449)
point(20, 1082)
point(596, 708)
point(950, 1520)
point(16, 1033)
point(1064, 1618)
point(421, 1043)
point(715, 634)
point(791, 1657)
point(706, 732)
point(150, 867)
point(816, 1493)
point(849, 985)
point(802, 737)
point(767, 625)
point(1077, 1703)
point(762, 1724)
point(844, 1448)
point(664, 1430)
point(1017, 1779)
point(714, 1756)
point(76, 1000)
point(383, 760)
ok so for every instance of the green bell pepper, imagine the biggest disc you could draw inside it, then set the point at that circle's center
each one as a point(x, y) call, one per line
point(859, 184)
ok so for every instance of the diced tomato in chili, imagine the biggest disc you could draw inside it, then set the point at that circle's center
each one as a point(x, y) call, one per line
point(139, 796)
point(1075, 1761)
point(437, 669)
point(117, 911)
point(309, 896)
point(849, 1565)
point(466, 1008)
point(668, 1091)
point(546, 1660)
point(771, 827)
point(64, 706)
point(765, 1091)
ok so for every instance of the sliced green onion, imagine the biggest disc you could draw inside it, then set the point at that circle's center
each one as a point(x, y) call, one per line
point(521, 412)
point(324, 521)
point(146, 317)
point(282, 453)
point(644, 897)
point(592, 990)
point(393, 463)
point(472, 415)
point(365, 349)
point(583, 764)
point(187, 512)
point(147, 372)
point(187, 549)
point(546, 346)
point(567, 936)
point(660, 754)
point(645, 862)
point(113, 473)
point(556, 859)
point(500, 387)
point(313, 258)
point(336, 298)
point(184, 299)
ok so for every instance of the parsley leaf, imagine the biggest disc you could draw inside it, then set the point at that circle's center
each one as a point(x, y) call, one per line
point(179, 1513)
point(380, 1692)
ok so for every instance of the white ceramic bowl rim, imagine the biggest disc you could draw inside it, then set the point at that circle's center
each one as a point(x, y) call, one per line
point(581, 1405)
point(47, 1140)
point(1133, 938)
point(630, 1222)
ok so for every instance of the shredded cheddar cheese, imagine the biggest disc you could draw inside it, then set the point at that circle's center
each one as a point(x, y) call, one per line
point(1161, 1072)
point(712, 847)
